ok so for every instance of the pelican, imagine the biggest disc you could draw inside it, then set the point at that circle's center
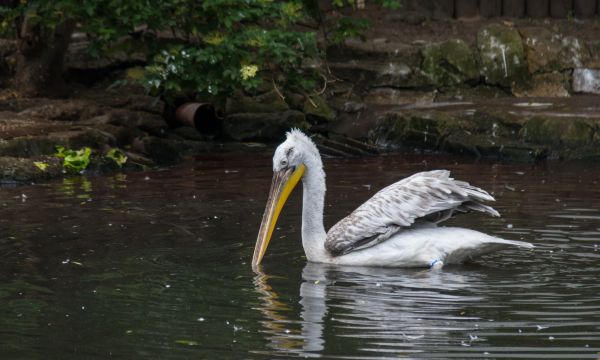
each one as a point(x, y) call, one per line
point(397, 227)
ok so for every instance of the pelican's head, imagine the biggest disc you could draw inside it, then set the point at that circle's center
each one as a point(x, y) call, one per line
point(289, 165)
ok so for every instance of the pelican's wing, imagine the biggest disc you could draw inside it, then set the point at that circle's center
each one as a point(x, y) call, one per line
point(431, 196)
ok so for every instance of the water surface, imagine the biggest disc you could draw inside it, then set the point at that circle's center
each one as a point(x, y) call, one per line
point(157, 265)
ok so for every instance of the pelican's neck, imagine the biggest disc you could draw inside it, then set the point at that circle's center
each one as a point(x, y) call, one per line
point(313, 231)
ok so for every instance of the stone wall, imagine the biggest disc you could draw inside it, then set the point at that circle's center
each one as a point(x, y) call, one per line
point(512, 92)
point(527, 61)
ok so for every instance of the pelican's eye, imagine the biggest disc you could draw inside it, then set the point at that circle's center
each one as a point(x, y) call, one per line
point(284, 163)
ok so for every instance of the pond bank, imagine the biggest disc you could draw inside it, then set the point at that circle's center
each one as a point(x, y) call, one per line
point(504, 89)
point(32, 128)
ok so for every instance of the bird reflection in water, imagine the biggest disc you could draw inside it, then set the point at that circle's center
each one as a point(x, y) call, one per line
point(372, 307)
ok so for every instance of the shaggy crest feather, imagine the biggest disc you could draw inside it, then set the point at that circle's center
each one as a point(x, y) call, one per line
point(299, 135)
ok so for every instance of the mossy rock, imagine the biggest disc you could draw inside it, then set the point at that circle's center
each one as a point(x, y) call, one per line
point(593, 48)
point(553, 84)
point(558, 132)
point(482, 145)
point(449, 63)
point(574, 53)
point(16, 169)
point(542, 49)
point(502, 56)
point(414, 128)
point(548, 51)
point(317, 109)
point(391, 96)
point(263, 126)
point(268, 102)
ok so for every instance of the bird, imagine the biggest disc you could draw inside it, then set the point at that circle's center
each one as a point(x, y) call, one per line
point(396, 227)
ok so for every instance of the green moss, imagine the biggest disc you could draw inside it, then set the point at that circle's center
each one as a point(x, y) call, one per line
point(268, 102)
point(557, 131)
point(317, 107)
point(502, 56)
point(449, 63)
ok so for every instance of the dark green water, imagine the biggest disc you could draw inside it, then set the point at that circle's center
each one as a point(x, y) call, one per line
point(156, 265)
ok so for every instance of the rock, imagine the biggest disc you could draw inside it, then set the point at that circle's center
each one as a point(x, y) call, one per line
point(150, 123)
point(16, 169)
point(573, 53)
point(162, 151)
point(548, 51)
point(28, 146)
point(542, 49)
point(406, 129)
point(502, 56)
point(481, 133)
point(594, 52)
point(169, 150)
point(449, 63)
point(389, 96)
point(482, 146)
point(268, 102)
point(317, 109)
point(71, 110)
point(471, 93)
point(125, 51)
point(558, 131)
point(586, 81)
point(189, 133)
point(400, 75)
point(544, 85)
point(377, 63)
point(352, 107)
point(263, 126)
point(8, 49)
point(295, 101)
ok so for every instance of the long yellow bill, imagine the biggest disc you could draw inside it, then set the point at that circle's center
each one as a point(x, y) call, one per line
point(282, 185)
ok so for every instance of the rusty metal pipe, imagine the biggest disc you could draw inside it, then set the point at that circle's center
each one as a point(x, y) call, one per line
point(201, 116)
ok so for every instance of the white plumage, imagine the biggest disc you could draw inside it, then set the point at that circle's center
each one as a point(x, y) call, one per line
point(397, 227)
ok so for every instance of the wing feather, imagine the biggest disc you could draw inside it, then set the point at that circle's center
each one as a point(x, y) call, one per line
point(431, 196)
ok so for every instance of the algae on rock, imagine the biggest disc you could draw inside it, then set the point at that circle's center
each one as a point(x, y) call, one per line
point(317, 108)
point(449, 63)
point(502, 56)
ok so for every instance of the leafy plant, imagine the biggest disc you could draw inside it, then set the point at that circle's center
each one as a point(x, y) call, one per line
point(117, 156)
point(215, 46)
point(74, 160)
point(234, 44)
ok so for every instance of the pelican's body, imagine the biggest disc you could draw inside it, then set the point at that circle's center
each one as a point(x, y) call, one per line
point(397, 227)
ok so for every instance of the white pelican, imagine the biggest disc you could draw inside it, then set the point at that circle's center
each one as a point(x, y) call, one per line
point(397, 227)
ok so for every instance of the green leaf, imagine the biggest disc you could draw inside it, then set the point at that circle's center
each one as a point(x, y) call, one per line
point(117, 156)
point(74, 160)
point(40, 165)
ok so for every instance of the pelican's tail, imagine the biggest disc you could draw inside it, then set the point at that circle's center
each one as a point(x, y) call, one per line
point(482, 244)
point(511, 243)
